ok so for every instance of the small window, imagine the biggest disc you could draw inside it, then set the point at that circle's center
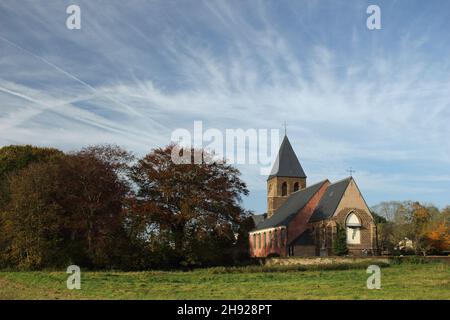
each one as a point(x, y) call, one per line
point(259, 240)
point(265, 240)
point(270, 239)
point(254, 241)
point(284, 189)
point(282, 237)
point(277, 241)
point(296, 186)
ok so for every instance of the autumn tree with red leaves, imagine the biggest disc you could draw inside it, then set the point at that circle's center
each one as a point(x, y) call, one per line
point(439, 238)
point(92, 194)
point(190, 210)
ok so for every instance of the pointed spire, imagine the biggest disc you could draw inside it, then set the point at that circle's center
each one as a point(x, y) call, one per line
point(286, 163)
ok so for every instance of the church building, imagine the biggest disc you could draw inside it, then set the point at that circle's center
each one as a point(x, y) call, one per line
point(303, 220)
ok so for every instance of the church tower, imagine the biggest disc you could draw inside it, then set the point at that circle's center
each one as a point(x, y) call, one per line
point(287, 176)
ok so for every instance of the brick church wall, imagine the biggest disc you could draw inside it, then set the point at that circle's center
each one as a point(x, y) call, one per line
point(352, 198)
point(304, 251)
point(274, 246)
point(274, 186)
point(300, 222)
point(367, 233)
point(324, 231)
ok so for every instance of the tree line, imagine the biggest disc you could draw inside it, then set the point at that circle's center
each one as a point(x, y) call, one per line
point(410, 227)
point(103, 207)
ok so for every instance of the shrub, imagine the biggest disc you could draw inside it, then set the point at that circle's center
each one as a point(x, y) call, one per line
point(340, 243)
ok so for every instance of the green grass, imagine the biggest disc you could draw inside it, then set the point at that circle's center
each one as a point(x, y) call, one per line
point(398, 281)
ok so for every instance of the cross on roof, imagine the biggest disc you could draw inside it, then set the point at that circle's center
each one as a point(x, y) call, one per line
point(351, 171)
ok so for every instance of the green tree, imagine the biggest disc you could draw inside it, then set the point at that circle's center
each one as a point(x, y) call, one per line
point(68, 211)
point(445, 213)
point(421, 217)
point(14, 158)
point(378, 219)
point(340, 242)
point(31, 224)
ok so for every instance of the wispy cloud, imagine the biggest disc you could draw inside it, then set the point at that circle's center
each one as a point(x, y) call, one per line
point(374, 100)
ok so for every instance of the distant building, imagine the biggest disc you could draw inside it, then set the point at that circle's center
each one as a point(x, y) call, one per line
point(303, 220)
point(405, 244)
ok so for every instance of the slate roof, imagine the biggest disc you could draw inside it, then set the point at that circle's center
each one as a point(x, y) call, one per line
point(330, 200)
point(287, 162)
point(305, 239)
point(287, 211)
point(258, 218)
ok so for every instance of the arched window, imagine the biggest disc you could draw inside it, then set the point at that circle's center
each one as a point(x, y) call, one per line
point(296, 186)
point(254, 241)
point(282, 237)
point(265, 240)
point(270, 239)
point(353, 228)
point(284, 189)
point(277, 241)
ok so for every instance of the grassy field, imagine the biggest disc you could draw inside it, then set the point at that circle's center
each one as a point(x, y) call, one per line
point(403, 281)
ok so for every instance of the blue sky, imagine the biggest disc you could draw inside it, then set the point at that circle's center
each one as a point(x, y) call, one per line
point(374, 100)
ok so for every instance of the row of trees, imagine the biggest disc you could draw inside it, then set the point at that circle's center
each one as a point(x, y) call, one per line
point(101, 207)
point(412, 228)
